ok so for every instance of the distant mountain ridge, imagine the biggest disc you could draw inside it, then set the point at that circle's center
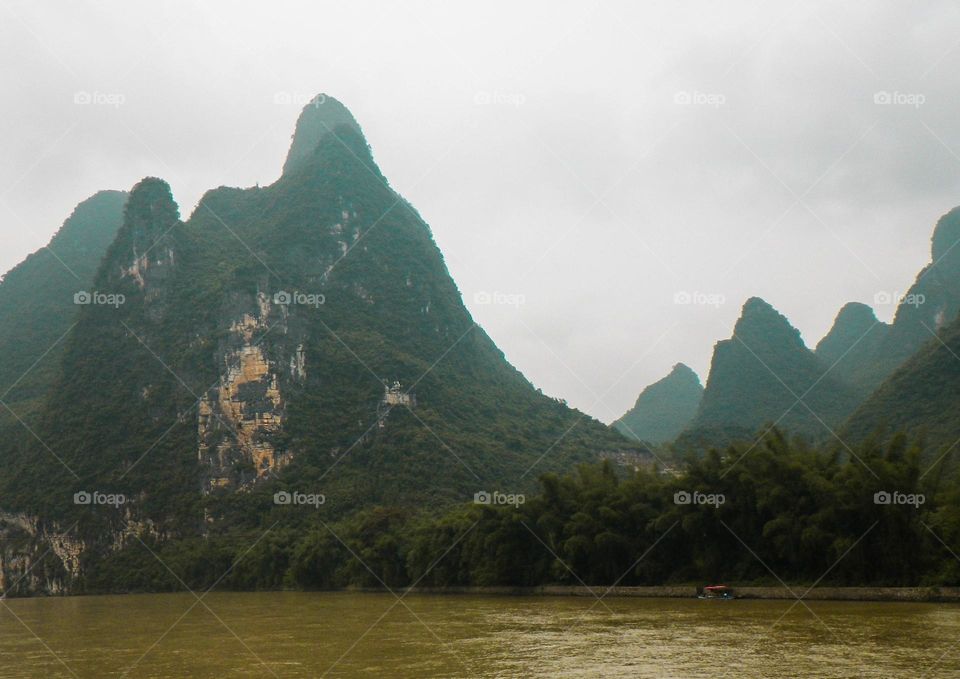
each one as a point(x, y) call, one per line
point(764, 374)
point(757, 375)
point(916, 366)
point(663, 409)
point(37, 299)
point(871, 351)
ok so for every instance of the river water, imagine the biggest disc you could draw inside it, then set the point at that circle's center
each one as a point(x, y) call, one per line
point(372, 635)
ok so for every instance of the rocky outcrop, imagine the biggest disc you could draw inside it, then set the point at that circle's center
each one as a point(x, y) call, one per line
point(36, 558)
point(240, 416)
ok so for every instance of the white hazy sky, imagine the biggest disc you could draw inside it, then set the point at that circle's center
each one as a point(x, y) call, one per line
point(591, 160)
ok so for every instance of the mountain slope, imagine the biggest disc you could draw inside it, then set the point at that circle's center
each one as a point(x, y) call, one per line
point(921, 398)
point(664, 408)
point(304, 335)
point(756, 378)
point(871, 351)
point(933, 300)
point(853, 347)
point(37, 299)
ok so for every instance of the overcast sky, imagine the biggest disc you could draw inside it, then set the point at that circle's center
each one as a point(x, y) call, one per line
point(585, 167)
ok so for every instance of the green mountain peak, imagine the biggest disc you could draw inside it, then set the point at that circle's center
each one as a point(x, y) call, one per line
point(664, 408)
point(321, 116)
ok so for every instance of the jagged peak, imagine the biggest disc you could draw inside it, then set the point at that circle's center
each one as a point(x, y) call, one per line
point(946, 235)
point(149, 216)
point(682, 370)
point(756, 304)
point(152, 193)
point(758, 316)
point(855, 314)
point(757, 308)
point(852, 323)
point(322, 115)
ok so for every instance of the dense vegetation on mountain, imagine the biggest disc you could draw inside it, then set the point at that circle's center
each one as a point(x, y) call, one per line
point(765, 374)
point(305, 338)
point(752, 384)
point(37, 300)
point(864, 352)
point(932, 301)
point(851, 349)
point(251, 351)
point(663, 409)
point(921, 397)
point(787, 512)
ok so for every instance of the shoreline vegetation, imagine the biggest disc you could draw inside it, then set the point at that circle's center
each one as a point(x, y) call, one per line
point(874, 525)
point(937, 595)
point(904, 594)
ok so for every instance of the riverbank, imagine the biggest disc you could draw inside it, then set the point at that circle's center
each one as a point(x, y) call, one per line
point(910, 594)
point(888, 594)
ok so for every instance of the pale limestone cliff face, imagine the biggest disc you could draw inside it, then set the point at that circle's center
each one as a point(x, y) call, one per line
point(68, 550)
point(142, 263)
point(39, 557)
point(134, 530)
point(25, 545)
point(238, 417)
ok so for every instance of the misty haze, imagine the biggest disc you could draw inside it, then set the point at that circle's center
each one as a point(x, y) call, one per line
point(432, 339)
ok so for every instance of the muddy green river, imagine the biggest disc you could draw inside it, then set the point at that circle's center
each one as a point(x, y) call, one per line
point(375, 635)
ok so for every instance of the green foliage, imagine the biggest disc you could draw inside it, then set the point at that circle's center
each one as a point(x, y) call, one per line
point(789, 513)
point(36, 301)
point(920, 397)
point(122, 413)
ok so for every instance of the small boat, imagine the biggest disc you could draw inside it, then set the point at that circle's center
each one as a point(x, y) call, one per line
point(716, 592)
